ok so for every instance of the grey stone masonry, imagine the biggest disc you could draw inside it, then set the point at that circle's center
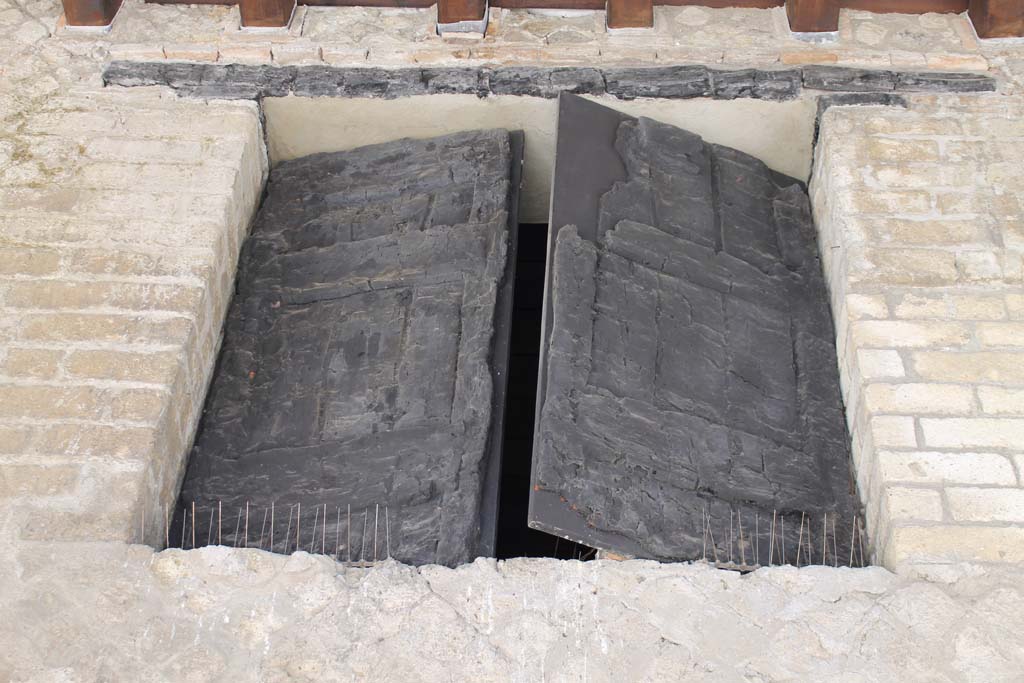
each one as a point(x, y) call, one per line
point(355, 370)
point(242, 81)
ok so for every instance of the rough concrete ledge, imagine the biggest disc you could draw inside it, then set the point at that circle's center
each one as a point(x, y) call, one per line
point(118, 612)
point(241, 81)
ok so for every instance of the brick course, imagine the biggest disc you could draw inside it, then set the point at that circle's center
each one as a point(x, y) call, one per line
point(113, 289)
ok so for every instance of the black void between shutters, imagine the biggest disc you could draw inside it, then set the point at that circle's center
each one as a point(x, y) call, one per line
point(515, 537)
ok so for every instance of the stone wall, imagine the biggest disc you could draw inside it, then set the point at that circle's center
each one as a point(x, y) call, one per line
point(681, 35)
point(120, 218)
point(922, 230)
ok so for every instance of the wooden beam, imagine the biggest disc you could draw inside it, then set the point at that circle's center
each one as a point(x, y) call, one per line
point(907, 6)
point(755, 4)
point(813, 16)
point(266, 13)
point(362, 3)
point(90, 12)
point(454, 11)
point(997, 18)
point(630, 14)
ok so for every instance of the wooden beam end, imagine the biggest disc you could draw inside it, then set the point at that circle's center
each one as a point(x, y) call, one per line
point(266, 13)
point(997, 18)
point(458, 11)
point(630, 14)
point(93, 13)
point(813, 16)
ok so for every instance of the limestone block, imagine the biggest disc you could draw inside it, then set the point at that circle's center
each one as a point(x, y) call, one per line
point(1001, 400)
point(20, 481)
point(916, 399)
point(880, 363)
point(903, 503)
point(970, 366)
point(973, 432)
point(986, 504)
point(158, 367)
point(1001, 334)
point(905, 266)
point(933, 467)
point(951, 544)
point(907, 334)
point(893, 432)
point(21, 261)
point(38, 363)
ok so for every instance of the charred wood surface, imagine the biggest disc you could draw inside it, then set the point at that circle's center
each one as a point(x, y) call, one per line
point(356, 362)
point(689, 366)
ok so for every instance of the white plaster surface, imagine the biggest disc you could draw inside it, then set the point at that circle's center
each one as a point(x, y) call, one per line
point(779, 133)
point(110, 612)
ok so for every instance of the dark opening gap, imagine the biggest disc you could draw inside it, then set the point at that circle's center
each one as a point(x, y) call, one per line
point(515, 538)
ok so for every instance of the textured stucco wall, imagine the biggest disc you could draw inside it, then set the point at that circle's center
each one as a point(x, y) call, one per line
point(115, 612)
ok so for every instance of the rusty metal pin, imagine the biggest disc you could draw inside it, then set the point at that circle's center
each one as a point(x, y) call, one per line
point(711, 533)
point(853, 539)
point(782, 517)
point(742, 544)
point(703, 529)
point(835, 544)
point(757, 539)
point(824, 539)
point(288, 533)
point(362, 543)
point(316, 516)
point(860, 542)
point(800, 540)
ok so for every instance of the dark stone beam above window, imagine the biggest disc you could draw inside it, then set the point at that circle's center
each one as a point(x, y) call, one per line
point(240, 81)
